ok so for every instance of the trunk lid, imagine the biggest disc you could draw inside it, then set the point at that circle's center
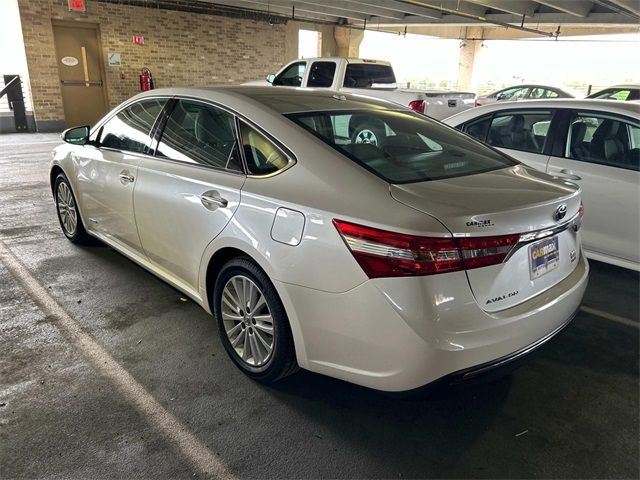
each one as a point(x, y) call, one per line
point(516, 200)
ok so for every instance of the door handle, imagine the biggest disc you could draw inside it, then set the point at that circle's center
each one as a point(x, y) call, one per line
point(569, 175)
point(213, 199)
point(125, 177)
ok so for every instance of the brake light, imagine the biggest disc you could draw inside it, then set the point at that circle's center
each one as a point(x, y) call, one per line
point(381, 253)
point(417, 105)
point(581, 210)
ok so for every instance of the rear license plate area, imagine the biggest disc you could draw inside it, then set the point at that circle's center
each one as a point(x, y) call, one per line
point(544, 256)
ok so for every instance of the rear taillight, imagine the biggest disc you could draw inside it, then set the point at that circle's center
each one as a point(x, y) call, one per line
point(581, 210)
point(485, 251)
point(381, 253)
point(477, 103)
point(417, 105)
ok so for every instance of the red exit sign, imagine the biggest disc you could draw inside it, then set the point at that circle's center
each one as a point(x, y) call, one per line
point(77, 5)
point(138, 39)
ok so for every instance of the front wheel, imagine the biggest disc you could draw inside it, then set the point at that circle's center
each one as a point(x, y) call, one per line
point(252, 322)
point(68, 213)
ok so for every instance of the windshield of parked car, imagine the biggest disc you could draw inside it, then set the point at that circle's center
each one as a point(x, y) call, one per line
point(401, 146)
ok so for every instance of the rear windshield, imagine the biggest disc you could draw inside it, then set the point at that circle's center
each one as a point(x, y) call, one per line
point(369, 75)
point(401, 146)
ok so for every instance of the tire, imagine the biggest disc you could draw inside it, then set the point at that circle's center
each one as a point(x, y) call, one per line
point(364, 131)
point(68, 213)
point(249, 338)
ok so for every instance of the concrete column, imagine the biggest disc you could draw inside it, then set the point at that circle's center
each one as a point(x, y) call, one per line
point(468, 51)
point(348, 41)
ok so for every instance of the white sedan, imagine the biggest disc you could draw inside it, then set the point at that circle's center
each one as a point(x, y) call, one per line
point(594, 143)
point(391, 265)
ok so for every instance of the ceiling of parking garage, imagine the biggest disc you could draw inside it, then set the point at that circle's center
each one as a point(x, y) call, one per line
point(448, 12)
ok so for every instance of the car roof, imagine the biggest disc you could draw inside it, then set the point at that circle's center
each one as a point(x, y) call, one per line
point(622, 85)
point(612, 106)
point(347, 59)
point(281, 99)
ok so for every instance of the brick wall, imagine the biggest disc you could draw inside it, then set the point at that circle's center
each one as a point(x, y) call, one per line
point(180, 49)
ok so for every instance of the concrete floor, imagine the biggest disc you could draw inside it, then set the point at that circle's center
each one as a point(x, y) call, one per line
point(570, 412)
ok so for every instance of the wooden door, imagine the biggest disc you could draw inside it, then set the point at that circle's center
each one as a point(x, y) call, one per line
point(81, 73)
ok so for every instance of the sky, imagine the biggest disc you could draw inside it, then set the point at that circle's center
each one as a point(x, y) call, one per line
point(598, 60)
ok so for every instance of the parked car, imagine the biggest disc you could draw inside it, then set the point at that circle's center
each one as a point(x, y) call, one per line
point(594, 143)
point(618, 92)
point(428, 255)
point(374, 78)
point(522, 92)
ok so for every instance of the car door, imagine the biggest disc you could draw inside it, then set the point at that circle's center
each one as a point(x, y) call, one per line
point(107, 172)
point(601, 153)
point(189, 190)
point(522, 134)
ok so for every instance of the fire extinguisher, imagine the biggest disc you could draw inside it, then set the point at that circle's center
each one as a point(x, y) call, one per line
point(146, 80)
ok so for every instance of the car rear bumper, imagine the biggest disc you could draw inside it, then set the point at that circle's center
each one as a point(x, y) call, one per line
point(401, 334)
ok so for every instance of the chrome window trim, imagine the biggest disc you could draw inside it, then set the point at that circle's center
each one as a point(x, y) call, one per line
point(278, 143)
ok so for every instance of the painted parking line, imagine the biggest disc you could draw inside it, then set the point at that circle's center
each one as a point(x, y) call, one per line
point(610, 316)
point(194, 451)
point(21, 144)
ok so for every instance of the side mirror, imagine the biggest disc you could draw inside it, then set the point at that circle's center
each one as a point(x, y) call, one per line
point(76, 135)
point(270, 78)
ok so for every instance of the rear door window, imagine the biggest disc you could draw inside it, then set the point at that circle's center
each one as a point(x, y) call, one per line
point(202, 134)
point(604, 139)
point(523, 130)
point(321, 74)
point(129, 130)
point(478, 128)
point(291, 76)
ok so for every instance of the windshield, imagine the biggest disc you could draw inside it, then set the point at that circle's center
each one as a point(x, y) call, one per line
point(401, 146)
point(369, 75)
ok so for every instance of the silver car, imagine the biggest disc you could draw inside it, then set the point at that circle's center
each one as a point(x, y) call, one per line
point(423, 256)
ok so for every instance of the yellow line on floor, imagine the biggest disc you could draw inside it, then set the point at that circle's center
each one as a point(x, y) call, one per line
point(186, 443)
point(610, 316)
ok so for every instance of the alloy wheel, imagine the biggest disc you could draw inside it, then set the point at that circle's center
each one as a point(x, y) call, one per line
point(67, 209)
point(247, 320)
point(366, 136)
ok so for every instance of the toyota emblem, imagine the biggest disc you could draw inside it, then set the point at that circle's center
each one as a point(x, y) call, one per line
point(560, 212)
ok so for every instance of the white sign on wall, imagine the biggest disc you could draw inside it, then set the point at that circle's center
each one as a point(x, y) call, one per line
point(114, 59)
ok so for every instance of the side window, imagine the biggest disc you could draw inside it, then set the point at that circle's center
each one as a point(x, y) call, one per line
point(542, 93)
point(615, 94)
point(525, 131)
point(129, 130)
point(513, 93)
point(291, 76)
point(202, 134)
point(478, 128)
point(321, 74)
point(605, 140)
point(262, 156)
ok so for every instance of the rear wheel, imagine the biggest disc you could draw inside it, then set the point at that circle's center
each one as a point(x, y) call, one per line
point(252, 322)
point(68, 213)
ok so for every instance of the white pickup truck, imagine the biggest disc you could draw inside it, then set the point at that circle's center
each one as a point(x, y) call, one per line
point(368, 77)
